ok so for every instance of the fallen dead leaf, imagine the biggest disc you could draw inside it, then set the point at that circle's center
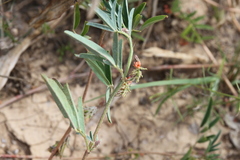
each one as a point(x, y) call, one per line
point(186, 58)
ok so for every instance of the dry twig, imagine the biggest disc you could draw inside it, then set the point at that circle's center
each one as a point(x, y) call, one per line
point(234, 19)
point(154, 12)
point(210, 55)
point(231, 9)
point(141, 153)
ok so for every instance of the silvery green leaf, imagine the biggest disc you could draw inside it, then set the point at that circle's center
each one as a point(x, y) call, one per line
point(92, 47)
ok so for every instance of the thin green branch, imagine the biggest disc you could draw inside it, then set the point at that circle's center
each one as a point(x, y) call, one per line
point(91, 145)
point(108, 104)
point(130, 56)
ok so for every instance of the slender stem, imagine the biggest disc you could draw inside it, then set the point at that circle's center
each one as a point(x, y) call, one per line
point(106, 109)
point(130, 56)
point(100, 122)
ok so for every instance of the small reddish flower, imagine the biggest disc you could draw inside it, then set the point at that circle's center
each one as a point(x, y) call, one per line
point(167, 9)
point(137, 64)
point(183, 42)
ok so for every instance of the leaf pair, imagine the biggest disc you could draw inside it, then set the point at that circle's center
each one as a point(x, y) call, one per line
point(63, 98)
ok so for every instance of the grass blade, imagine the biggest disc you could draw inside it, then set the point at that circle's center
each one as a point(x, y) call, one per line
point(208, 113)
point(203, 26)
point(186, 156)
point(169, 95)
point(192, 81)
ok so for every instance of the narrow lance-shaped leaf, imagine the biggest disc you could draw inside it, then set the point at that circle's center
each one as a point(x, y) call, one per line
point(119, 18)
point(213, 122)
point(205, 138)
point(115, 48)
point(62, 99)
point(81, 116)
point(113, 17)
point(207, 114)
point(137, 36)
point(92, 47)
point(130, 21)
point(216, 137)
point(98, 71)
point(93, 57)
point(73, 110)
point(76, 16)
point(125, 13)
point(100, 26)
point(120, 55)
point(91, 136)
point(57, 93)
point(204, 38)
point(203, 26)
point(108, 93)
point(139, 9)
point(137, 20)
point(186, 156)
point(198, 19)
point(85, 29)
point(187, 30)
point(108, 73)
point(106, 18)
point(152, 20)
point(188, 16)
point(175, 6)
point(106, 4)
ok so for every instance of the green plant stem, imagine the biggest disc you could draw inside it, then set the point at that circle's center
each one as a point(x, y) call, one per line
point(130, 56)
point(105, 110)
point(91, 146)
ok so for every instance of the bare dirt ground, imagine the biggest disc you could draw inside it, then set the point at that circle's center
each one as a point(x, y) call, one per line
point(32, 124)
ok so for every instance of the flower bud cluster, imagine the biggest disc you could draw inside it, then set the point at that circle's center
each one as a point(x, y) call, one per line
point(135, 75)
